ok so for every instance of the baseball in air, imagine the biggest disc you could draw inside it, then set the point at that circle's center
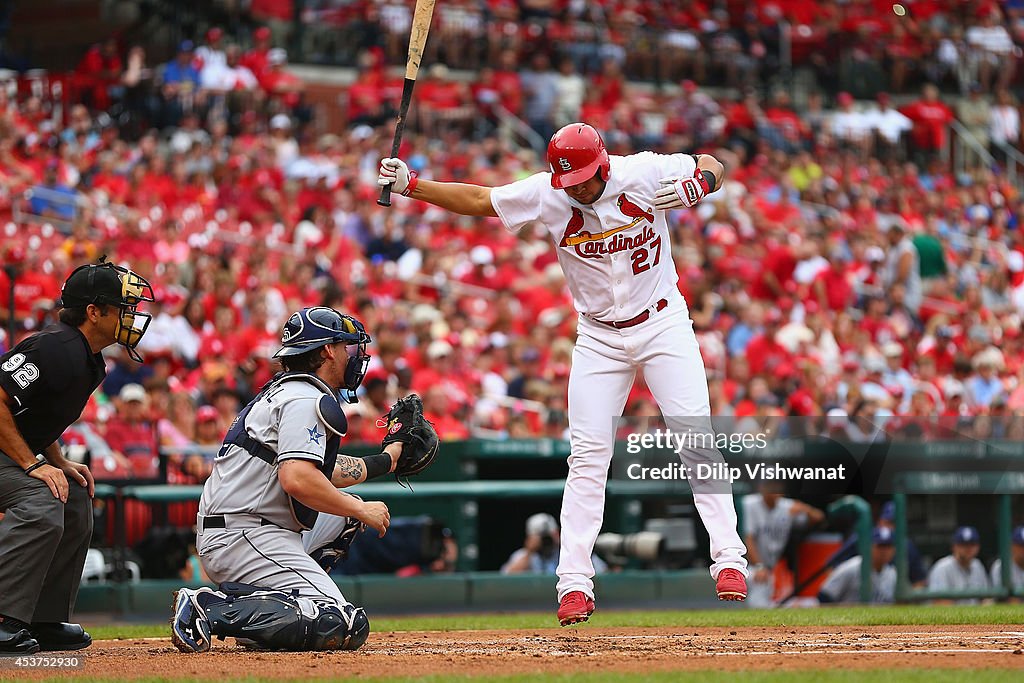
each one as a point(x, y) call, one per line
point(899, 10)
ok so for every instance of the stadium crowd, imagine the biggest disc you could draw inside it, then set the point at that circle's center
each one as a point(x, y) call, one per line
point(728, 42)
point(843, 274)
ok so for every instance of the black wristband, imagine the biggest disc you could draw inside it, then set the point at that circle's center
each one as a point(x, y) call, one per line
point(377, 465)
point(710, 179)
point(31, 468)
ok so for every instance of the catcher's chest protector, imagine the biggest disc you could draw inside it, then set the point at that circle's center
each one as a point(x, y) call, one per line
point(328, 410)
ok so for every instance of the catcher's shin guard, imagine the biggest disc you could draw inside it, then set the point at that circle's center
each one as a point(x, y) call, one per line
point(278, 621)
point(342, 627)
point(190, 629)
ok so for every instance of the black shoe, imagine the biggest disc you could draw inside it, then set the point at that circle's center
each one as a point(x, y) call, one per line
point(60, 636)
point(15, 638)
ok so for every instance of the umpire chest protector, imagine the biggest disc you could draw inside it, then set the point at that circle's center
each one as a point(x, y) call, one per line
point(328, 410)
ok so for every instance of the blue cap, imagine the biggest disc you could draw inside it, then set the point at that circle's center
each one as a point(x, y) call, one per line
point(186, 46)
point(966, 535)
point(882, 535)
point(1017, 536)
point(888, 512)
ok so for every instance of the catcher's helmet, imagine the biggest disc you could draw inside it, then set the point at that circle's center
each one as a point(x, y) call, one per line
point(105, 283)
point(576, 152)
point(318, 326)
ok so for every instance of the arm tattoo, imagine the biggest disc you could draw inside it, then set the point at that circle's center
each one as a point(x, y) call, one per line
point(349, 468)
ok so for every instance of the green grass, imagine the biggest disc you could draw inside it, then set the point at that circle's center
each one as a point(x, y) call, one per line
point(738, 618)
point(810, 676)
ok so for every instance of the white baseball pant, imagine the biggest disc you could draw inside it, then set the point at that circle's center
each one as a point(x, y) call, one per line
point(604, 365)
point(272, 557)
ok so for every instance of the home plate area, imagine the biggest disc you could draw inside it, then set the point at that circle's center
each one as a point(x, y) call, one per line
point(579, 650)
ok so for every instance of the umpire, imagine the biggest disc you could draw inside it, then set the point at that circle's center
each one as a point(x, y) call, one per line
point(45, 382)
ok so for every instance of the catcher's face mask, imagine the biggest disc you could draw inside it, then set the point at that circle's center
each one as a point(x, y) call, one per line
point(316, 326)
point(355, 369)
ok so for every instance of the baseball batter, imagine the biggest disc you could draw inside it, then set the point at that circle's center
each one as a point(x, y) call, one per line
point(272, 501)
point(606, 215)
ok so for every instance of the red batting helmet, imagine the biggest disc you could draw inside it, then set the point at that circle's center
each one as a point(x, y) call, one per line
point(575, 153)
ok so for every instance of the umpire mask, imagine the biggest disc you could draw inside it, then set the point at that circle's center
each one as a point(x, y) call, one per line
point(105, 283)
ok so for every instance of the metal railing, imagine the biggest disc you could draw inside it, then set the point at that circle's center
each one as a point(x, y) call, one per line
point(962, 145)
point(1014, 160)
point(957, 145)
point(510, 126)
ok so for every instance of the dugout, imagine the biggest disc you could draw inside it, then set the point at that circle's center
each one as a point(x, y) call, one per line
point(484, 490)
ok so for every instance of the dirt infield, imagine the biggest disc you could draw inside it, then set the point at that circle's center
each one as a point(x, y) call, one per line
point(579, 651)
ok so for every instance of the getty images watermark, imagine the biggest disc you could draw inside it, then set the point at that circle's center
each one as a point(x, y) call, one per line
point(820, 455)
point(696, 456)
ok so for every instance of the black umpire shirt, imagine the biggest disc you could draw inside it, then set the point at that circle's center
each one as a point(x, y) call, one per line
point(49, 377)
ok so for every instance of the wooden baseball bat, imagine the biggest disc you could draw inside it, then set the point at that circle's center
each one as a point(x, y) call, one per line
point(417, 39)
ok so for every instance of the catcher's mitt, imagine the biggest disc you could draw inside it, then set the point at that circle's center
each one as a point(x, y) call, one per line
point(405, 423)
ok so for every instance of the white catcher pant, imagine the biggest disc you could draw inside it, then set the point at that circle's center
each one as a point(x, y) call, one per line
point(604, 365)
point(272, 557)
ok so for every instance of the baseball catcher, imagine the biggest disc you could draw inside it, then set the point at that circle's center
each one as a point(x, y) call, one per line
point(272, 520)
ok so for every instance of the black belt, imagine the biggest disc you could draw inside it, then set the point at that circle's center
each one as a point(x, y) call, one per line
point(635, 320)
point(219, 522)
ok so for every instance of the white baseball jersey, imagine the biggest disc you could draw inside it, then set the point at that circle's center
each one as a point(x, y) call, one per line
point(615, 253)
point(843, 584)
point(947, 575)
point(1016, 574)
point(770, 528)
point(285, 421)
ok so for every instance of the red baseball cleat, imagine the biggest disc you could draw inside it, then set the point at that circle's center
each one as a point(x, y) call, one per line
point(731, 585)
point(574, 608)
